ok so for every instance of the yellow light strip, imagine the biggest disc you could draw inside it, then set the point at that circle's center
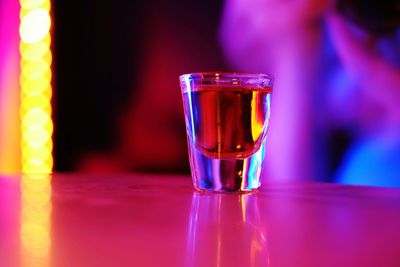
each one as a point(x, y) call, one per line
point(36, 90)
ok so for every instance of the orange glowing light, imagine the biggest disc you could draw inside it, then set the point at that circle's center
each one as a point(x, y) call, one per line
point(36, 90)
point(32, 87)
point(34, 69)
point(31, 4)
point(34, 51)
point(40, 101)
point(35, 25)
point(39, 154)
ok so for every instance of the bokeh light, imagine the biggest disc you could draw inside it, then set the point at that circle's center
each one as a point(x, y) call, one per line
point(36, 90)
point(35, 25)
point(31, 4)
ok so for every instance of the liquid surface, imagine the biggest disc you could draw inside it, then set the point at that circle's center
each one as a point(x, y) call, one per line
point(227, 121)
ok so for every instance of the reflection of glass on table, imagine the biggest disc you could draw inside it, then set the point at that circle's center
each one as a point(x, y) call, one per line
point(226, 229)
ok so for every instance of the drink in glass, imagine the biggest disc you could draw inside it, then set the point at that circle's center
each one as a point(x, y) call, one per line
point(227, 118)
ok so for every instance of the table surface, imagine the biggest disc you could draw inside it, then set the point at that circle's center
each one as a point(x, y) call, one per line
point(158, 220)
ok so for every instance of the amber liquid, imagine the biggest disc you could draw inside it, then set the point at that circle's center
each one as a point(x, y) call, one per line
point(226, 127)
point(227, 122)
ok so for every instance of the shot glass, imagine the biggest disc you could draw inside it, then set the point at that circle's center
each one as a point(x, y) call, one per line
point(226, 117)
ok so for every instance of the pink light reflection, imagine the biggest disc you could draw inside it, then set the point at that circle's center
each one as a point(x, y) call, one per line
point(9, 86)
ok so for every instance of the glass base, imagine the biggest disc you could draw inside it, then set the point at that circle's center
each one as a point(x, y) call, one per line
point(226, 175)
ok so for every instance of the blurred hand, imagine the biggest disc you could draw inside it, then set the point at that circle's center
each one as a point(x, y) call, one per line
point(272, 18)
point(378, 79)
point(251, 28)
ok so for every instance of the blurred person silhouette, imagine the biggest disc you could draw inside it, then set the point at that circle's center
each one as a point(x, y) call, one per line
point(129, 115)
point(335, 112)
point(153, 136)
point(371, 57)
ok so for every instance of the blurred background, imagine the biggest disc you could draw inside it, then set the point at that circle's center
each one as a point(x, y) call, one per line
point(112, 72)
point(117, 101)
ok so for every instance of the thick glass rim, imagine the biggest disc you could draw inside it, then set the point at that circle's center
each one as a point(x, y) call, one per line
point(226, 76)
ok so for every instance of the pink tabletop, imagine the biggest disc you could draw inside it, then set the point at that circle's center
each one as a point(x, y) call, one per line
point(158, 220)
